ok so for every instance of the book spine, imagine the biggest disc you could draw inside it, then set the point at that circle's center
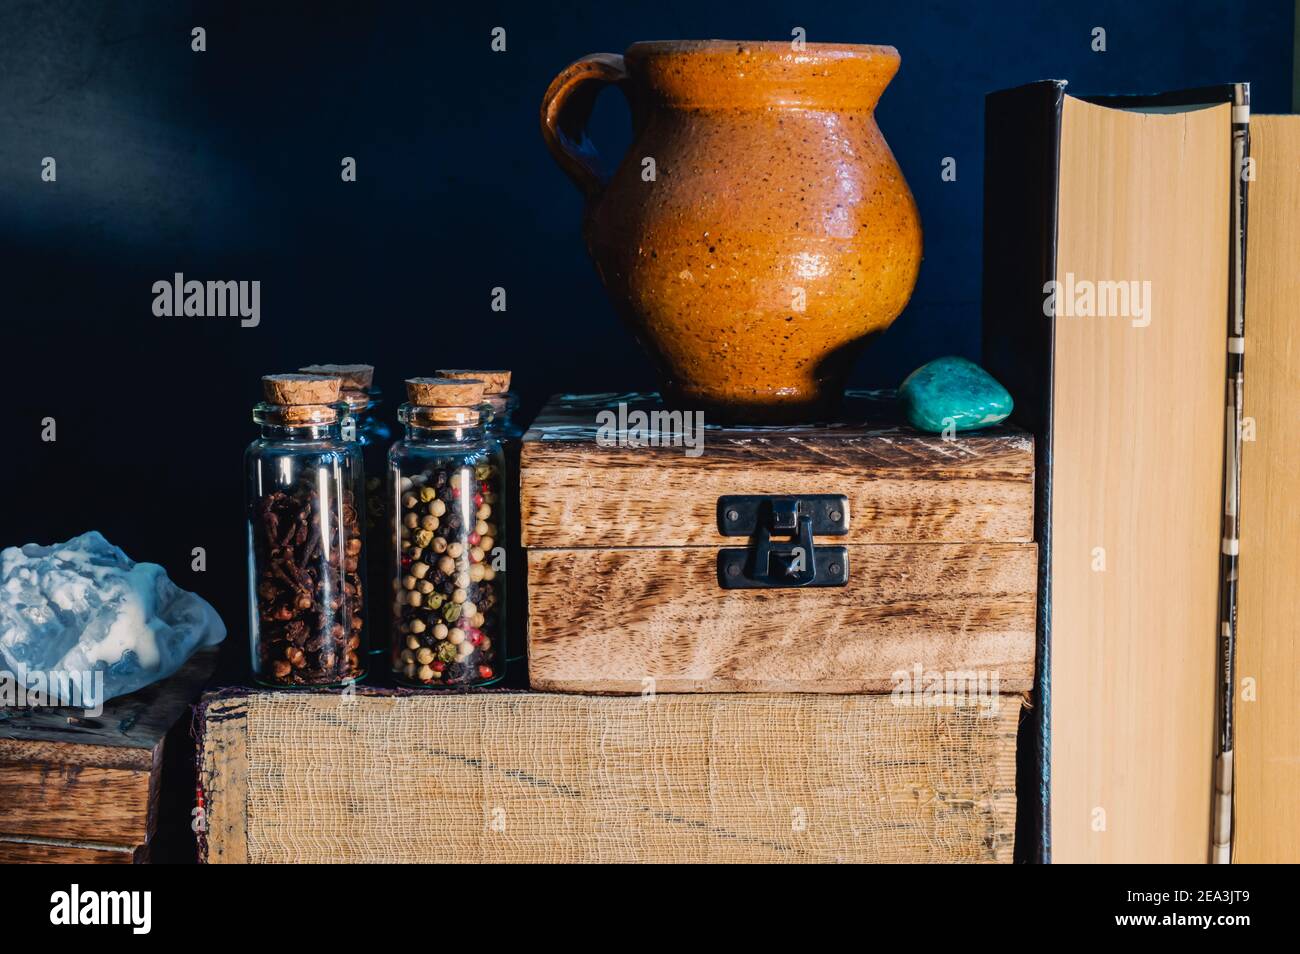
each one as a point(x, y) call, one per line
point(1221, 847)
point(1022, 137)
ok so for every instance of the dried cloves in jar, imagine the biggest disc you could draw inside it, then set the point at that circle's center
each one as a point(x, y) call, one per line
point(307, 541)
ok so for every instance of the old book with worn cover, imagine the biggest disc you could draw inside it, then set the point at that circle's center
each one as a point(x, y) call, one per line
point(1113, 308)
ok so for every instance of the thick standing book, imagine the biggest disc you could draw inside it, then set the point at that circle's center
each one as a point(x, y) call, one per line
point(1267, 667)
point(1114, 307)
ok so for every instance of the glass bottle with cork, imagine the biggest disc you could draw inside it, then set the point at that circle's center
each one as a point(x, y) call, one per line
point(448, 612)
point(305, 537)
point(364, 425)
point(508, 556)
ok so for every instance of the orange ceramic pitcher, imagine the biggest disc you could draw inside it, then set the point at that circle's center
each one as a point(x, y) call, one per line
point(759, 229)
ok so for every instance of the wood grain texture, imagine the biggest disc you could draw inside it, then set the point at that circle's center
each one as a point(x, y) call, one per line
point(1267, 813)
point(106, 805)
point(903, 486)
point(528, 777)
point(605, 620)
point(69, 776)
point(37, 852)
point(130, 758)
point(1138, 430)
point(223, 773)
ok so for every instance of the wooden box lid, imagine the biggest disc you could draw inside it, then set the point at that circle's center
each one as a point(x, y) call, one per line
point(584, 486)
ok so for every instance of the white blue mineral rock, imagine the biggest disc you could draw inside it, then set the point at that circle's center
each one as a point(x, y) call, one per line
point(84, 605)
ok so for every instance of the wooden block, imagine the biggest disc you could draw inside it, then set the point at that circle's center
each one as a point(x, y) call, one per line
point(73, 785)
point(945, 607)
point(301, 778)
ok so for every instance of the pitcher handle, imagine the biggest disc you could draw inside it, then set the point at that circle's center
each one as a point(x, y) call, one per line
point(566, 108)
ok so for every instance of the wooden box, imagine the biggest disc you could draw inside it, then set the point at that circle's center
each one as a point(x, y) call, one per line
point(90, 790)
point(623, 541)
point(517, 777)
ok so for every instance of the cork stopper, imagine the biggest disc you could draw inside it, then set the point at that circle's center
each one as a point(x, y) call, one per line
point(355, 377)
point(446, 400)
point(301, 389)
point(298, 399)
point(445, 392)
point(497, 382)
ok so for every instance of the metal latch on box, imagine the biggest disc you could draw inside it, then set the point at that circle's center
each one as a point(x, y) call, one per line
point(766, 563)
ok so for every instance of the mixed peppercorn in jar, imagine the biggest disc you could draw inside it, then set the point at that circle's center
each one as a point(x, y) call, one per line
point(445, 490)
point(500, 404)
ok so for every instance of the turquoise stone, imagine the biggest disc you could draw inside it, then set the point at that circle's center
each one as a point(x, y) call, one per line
point(953, 393)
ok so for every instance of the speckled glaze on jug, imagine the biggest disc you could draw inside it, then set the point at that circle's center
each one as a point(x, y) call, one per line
point(759, 229)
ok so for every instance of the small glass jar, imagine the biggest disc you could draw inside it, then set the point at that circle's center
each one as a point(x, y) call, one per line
point(363, 425)
point(305, 538)
point(501, 404)
point(448, 617)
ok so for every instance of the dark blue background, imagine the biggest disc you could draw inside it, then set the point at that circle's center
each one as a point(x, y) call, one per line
point(225, 165)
